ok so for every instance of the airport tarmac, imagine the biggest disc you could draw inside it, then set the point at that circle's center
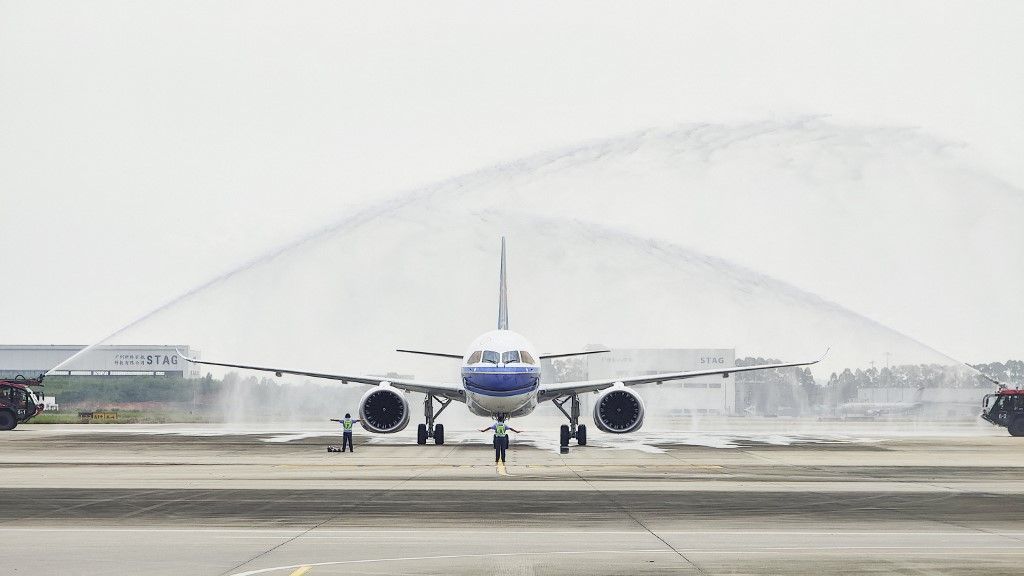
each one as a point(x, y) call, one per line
point(186, 499)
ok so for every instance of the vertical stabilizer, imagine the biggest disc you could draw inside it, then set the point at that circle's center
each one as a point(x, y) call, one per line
point(503, 292)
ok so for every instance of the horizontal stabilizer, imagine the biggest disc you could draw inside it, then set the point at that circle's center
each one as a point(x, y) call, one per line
point(441, 354)
point(547, 356)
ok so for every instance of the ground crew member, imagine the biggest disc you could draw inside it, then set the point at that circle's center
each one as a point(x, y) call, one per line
point(346, 426)
point(500, 437)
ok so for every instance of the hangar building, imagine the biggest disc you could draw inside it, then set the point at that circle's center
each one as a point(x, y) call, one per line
point(107, 360)
point(702, 395)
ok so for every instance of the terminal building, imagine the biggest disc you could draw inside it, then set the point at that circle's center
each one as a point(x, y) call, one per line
point(106, 360)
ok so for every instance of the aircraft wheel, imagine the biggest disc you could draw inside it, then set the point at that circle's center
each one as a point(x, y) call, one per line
point(1016, 428)
point(7, 420)
point(564, 435)
point(421, 434)
point(581, 435)
point(439, 434)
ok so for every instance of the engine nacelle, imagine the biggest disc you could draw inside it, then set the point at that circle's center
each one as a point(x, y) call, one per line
point(618, 410)
point(384, 410)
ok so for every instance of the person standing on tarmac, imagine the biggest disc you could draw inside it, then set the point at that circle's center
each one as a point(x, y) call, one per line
point(346, 426)
point(500, 437)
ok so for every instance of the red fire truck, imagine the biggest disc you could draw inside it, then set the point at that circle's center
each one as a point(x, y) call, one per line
point(18, 403)
point(1005, 408)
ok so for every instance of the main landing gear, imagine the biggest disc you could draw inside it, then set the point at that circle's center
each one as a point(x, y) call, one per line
point(431, 430)
point(574, 429)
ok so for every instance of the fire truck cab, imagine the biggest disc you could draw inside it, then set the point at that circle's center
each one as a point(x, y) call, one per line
point(1005, 408)
point(18, 403)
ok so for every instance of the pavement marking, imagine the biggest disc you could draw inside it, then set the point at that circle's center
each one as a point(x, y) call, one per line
point(301, 570)
point(886, 550)
point(286, 532)
point(419, 535)
point(449, 557)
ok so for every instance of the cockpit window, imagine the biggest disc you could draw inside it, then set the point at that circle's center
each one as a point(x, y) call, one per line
point(510, 356)
point(491, 357)
point(525, 357)
point(474, 358)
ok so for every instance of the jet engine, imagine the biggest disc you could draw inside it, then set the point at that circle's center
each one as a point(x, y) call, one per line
point(618, 410)
point(384, 410)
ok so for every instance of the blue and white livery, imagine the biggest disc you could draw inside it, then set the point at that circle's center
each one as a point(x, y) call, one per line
point(501, 376)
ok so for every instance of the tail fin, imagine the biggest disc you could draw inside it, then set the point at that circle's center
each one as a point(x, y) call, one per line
point(503, 293)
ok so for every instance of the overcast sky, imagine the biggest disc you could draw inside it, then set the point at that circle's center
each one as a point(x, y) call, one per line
point(146, 146)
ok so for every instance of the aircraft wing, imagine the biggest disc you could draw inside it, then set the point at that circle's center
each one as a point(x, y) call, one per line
point(446, 390)
point(549, 391)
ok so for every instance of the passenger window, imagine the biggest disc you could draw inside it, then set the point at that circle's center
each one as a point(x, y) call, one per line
point(510, 356)
point(491, 357)
point(525, 357)
point(474, 358)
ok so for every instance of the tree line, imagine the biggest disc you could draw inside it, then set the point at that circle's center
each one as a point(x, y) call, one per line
point(780, 391)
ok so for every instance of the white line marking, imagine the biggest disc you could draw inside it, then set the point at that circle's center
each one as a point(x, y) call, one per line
point(450, 557)
point(973, 551)
point(419, 533)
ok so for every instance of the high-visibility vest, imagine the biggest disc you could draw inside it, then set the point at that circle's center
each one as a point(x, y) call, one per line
point(500, 430)
point(347, 423)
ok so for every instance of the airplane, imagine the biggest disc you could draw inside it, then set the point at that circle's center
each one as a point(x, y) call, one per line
point(881, 409)
point(916, 406)
point(500, 376)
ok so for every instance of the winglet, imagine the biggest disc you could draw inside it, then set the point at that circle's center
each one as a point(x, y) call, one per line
point(503, 292)
point(827, 350)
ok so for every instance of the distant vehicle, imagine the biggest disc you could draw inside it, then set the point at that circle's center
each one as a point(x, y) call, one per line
point(1005, 408)
point(500, 376)
point(18, 403)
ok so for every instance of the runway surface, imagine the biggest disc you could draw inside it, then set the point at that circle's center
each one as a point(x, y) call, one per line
point(181, 500)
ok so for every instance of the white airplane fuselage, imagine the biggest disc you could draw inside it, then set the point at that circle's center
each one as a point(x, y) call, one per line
point(501, 374)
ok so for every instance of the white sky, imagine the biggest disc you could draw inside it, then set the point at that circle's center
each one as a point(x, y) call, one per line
point(145, 146)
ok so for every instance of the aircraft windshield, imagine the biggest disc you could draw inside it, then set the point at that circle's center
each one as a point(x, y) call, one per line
point(491, 357)
point(510, 356)
point(474, 358)
point(525, 357)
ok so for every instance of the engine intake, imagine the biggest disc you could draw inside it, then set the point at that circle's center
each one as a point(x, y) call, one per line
point(618, 411)
point(383, 410)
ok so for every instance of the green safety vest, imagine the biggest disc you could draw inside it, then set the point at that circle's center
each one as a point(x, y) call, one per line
point(347, 423)
point(500, 430)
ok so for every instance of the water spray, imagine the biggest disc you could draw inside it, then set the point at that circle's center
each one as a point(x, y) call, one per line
point(999, 385)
